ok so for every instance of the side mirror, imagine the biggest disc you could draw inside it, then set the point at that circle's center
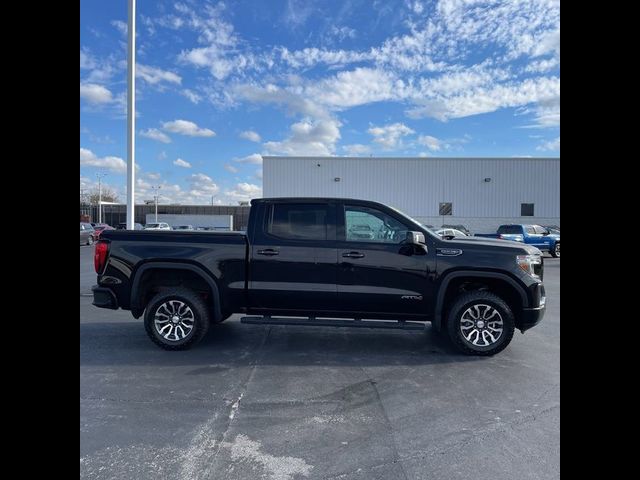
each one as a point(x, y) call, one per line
point(416, 238)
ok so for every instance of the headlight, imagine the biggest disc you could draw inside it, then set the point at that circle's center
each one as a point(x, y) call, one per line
point(532, 264)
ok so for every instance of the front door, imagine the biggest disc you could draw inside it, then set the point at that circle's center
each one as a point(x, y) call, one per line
point(378, 272)
point(294, 258)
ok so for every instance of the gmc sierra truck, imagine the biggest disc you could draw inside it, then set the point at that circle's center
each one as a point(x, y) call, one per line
point(306, 261)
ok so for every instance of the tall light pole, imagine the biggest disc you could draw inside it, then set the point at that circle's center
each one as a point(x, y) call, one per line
point(131, 113)
point(100, 175)
point(156, 188)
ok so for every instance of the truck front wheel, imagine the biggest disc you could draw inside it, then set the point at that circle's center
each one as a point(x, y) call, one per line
point(480, 323)
point(555, 251)
point(176, 319)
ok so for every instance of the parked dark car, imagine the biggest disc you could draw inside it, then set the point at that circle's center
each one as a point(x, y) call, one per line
point(99, 228)
point(123, 226)
point(462, 228)
point(183, 227)
point(297, 260)
point(87, 234)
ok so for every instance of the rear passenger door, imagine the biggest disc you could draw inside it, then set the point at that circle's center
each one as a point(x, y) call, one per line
point(294, 257)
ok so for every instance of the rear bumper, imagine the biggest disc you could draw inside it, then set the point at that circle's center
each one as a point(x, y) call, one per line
point(104, 297)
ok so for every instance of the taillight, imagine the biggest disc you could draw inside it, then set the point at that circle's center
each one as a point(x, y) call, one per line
point(100, 256)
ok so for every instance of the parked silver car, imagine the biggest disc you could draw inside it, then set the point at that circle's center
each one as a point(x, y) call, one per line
point(87, 234)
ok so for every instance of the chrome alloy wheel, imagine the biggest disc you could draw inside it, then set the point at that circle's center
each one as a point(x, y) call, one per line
point(481, 325)
point(174, 320)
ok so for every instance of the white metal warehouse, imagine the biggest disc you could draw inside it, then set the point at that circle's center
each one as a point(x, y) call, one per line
point(480, 193)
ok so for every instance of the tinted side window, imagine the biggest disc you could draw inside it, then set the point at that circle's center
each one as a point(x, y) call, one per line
point(299, 222)
point(364, 224)
point(509, 229)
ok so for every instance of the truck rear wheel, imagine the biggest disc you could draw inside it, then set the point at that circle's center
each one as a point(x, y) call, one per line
point(480, 323)
point(176, 319)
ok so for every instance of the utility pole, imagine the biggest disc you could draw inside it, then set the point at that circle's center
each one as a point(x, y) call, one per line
point(100, 175)
point(156, 188)
point(131, 113)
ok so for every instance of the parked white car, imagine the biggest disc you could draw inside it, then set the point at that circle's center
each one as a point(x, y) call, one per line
point(450, 232)
point(157, 226)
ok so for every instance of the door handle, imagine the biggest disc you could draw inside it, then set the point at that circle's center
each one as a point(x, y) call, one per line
point(353, 255)
point(268, 252)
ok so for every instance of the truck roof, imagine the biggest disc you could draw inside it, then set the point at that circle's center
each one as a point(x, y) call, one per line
point(310, 200)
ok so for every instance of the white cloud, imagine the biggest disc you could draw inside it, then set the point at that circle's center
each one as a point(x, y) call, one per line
point(254, 158)
point(230, 168)
point(202, 185)
point(154, 75)
point(342, 33)
point(153, 176)
point(95, 94)
point(184, 127)
point(181, 163)
point(432, 143)
point(191, 95)
point(551, 145)
point(250, 135)
point(389, 137)
point(308, 138)
point(90, 159)
point(356, 149)
point(357, 87)
point(120, 26)
point(484, 99)
point(244, 192)
point(155, 134)
point(87, 61)
point(259, 173)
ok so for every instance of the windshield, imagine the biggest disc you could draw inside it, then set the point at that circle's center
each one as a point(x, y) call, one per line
point(153, 225)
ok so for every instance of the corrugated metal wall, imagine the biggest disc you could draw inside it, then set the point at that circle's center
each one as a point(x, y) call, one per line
point(418, 185)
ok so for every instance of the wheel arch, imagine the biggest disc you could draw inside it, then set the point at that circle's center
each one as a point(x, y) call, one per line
point(499, 283)
point(139, 291)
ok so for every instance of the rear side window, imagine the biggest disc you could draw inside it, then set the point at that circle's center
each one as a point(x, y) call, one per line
point(299, 222)
point(510, 229)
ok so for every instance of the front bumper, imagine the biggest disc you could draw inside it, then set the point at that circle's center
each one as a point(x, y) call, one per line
point(532, 316)
point(104, 297)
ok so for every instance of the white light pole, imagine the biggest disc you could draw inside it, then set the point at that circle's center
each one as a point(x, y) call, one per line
point(131, 113)
point(156, 188)
point(100, 175)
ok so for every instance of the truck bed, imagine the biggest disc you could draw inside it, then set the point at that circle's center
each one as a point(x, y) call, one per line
point(220, 254)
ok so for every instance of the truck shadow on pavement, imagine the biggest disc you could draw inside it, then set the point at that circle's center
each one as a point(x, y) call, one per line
point(233, 344)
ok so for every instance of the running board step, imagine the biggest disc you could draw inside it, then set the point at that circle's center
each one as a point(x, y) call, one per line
point(315, 322)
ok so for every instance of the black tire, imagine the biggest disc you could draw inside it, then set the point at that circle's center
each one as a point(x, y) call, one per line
point(555, 252)
point(480, 298)
point(90, 240)
point(199, 309)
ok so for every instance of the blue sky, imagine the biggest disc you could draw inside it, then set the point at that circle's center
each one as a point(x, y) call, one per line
point(220, 83)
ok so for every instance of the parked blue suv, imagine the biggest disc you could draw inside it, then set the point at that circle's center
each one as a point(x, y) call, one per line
point(535, 235)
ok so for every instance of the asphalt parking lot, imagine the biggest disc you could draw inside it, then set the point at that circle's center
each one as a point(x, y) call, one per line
point(287, 403)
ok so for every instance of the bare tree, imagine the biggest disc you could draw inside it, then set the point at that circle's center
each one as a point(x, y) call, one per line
point(108, 195)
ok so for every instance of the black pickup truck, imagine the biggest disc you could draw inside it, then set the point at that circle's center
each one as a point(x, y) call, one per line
point(321, 261)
